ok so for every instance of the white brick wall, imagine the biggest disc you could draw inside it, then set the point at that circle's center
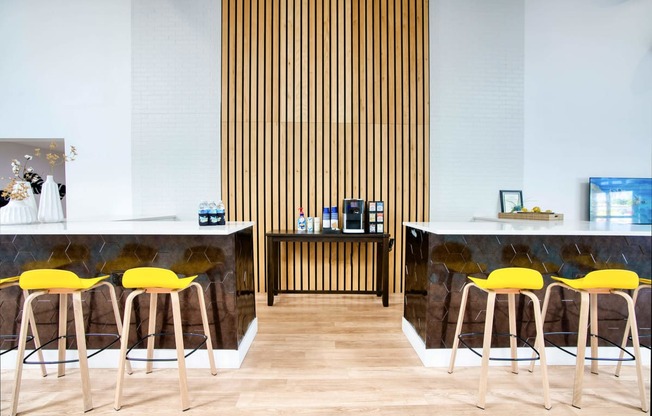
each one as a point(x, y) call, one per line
point(176, 104)
point(476, 105)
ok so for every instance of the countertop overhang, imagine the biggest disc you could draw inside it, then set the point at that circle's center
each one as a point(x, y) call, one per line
point(124, 228)
point(526, 227)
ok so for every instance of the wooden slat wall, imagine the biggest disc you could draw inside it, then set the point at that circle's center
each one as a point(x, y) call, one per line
point(322, 100)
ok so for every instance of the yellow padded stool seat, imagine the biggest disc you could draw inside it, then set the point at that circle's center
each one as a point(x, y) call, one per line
point(595, 283)
point(5, 280)
point(511, 278)
point(61, 283)
point(155, 281)
point(56, 279)
point(152, 277)
point(603, 279)
point(510, 281)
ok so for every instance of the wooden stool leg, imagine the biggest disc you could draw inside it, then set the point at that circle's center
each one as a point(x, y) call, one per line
point(486, 347)
point(63, 331)
point(22, 342)
point(581, 349)
point(594, 332)
point(626, 334)
point(541, 347)
point(37, 339)
point(544, 311)
point(81, 348)
point(511, 301)
point(116, 315)
point(458, 327)
point(178, 337)
point(637, 348)
point(124, 341)
point(151, 329)
point(207, 332)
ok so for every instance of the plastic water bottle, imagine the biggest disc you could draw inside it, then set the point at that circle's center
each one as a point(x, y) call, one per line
point(301, 222)
point(212, 213)
point(221, 213)
point(203, 213)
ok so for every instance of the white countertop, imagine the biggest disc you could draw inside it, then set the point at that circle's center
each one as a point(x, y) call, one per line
point(525, 227)
point(124, 228)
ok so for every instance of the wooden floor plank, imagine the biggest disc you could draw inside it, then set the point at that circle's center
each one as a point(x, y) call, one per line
point(325, 355)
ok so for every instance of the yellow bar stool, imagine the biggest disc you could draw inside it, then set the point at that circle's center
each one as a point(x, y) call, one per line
point(63, 283)
point(155, 281)
point(599, 282)
point(510, 281)
point(643, 284)
point(10, 282)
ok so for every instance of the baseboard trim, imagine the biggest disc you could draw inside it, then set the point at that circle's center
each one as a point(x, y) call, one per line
point(440, 357)
point(109, 358)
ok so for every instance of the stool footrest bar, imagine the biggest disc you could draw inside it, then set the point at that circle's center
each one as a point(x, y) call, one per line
point(73, 360)
point(162, 334)
point(630, 358)
point(14, 338)
point(470, 334)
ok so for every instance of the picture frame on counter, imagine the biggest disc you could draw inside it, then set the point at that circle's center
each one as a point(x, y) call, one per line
point(511, 200)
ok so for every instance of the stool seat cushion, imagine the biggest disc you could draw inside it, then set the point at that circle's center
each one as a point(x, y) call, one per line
point(511, 278)
point(645, 281)
point(150, 277)
point(56, 279)
point(9, 279)
point(603, 279)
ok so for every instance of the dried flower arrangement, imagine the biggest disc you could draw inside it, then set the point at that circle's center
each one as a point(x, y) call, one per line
point(18, 190)
point(55, 158)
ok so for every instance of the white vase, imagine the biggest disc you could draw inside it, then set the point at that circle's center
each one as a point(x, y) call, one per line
point(17, 212)
point(50, 208)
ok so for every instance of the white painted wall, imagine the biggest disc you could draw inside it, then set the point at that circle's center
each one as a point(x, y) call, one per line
point(535, 95)
point(65, 72)
point(539, 96)
point(588, 98)
point(476, 105)
point(176, 105)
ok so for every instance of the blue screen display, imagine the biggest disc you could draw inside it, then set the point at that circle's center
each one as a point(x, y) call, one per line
point(621, 200)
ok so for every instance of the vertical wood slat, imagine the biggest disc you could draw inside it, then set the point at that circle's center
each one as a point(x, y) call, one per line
point(323, 100)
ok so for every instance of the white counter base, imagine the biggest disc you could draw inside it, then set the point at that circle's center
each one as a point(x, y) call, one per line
point(109, 358)
point(440, 357)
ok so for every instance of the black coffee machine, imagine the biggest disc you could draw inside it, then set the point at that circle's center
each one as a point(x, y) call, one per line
point(353, 215)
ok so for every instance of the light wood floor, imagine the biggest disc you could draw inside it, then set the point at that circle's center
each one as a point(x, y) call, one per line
point(324, 355)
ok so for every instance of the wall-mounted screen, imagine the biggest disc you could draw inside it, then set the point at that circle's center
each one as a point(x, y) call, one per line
point(620, 200)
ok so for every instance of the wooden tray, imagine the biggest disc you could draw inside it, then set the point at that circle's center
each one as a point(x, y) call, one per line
point(540, 216)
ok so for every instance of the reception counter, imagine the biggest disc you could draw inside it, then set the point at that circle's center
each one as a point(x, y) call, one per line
point(222, 256)
point(440, 255)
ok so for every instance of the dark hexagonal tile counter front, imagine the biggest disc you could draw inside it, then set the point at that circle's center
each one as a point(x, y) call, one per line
point(224, 264)
point(437, 267)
